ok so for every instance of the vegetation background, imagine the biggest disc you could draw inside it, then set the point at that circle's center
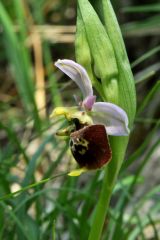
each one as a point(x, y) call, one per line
point(34, 162)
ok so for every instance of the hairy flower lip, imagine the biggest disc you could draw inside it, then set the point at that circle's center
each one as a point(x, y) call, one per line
point(90, 146)
point(110, 115)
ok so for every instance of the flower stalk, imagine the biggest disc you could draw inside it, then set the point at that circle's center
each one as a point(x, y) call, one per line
point(109, 63)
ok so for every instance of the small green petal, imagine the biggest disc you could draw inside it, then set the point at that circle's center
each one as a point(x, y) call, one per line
point(77, 172)
point(66, 111)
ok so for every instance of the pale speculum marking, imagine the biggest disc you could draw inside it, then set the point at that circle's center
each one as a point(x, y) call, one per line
point(79, 145)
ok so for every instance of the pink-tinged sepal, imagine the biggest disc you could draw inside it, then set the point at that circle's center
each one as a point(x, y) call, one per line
point(112, 117)
point(78, 74)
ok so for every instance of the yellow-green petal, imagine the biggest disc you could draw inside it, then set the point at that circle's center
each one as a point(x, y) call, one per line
point(77, 172)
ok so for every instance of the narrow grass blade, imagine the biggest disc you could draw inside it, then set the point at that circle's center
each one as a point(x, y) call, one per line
point(149, 26)
point(142, 8)
point(145, 56)
point(149, 97)
point(19, 58)
point(16, 220)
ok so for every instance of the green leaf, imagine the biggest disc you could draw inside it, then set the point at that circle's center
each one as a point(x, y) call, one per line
point(126, 85)
point(101, 49)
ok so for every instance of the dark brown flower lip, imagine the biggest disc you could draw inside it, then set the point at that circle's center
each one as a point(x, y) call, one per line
point(90, 146)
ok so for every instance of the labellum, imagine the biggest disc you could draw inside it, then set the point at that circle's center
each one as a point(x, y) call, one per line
point(90, 146)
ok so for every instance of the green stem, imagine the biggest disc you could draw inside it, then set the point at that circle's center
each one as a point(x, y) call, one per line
point(101, 210)
point(110, 177)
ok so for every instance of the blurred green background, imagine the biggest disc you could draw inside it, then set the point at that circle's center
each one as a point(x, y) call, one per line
point(33, 35)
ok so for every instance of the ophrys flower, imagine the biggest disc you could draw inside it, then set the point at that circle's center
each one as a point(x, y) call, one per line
point(93, 121)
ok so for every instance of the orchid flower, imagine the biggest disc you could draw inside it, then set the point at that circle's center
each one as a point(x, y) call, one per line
point(112, 117)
